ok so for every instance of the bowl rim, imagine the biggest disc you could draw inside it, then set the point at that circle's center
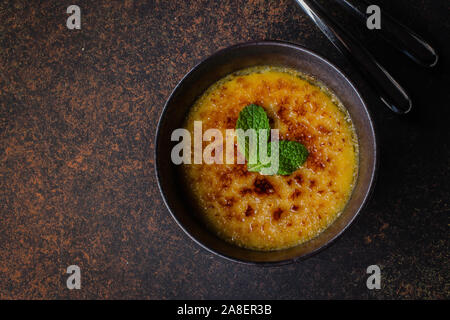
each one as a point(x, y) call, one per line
point(373, 173)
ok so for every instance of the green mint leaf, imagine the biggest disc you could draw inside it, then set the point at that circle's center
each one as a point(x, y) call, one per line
point(291, 156)
point(251, 117)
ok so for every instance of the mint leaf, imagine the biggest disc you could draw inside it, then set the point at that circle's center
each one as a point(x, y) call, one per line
point(291, 156)
point(251, 117)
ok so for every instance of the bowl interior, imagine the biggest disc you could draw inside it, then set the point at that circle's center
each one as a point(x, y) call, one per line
point(216, 67)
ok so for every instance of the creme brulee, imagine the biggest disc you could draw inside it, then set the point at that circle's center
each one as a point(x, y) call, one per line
point(274, 212)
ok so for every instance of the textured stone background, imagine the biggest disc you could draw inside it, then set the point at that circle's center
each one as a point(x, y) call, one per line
point(78, 114)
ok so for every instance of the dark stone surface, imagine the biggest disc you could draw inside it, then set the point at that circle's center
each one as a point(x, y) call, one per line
point(78, 114)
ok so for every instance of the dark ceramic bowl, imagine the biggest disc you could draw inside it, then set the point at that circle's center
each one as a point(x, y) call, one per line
point(216, 67)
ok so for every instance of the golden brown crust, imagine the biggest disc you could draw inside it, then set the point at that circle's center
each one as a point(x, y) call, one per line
point(271, 212)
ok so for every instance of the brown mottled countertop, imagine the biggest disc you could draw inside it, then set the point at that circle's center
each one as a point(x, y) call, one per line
point(78, 114)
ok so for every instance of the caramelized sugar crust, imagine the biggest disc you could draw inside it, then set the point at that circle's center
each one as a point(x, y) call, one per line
point(274, 212)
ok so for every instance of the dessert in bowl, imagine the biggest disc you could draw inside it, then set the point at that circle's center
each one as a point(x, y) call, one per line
point(272, 212)
point(274, 218)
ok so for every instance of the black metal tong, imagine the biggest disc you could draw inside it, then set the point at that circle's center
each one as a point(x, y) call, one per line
point(389, 91)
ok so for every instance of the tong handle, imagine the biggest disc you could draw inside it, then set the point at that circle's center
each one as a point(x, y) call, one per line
point(398, 35)
point(389, 91)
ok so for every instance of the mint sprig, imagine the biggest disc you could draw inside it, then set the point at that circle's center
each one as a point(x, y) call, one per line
point(251, 117)
point(291, 154)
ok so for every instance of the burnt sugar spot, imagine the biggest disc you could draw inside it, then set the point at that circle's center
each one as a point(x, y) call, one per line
point(315, 162)
point(259, 102)
point(249, 212)
point(280, 112)
point(245, 191)
point(283, 101)
point(243, 82)
point(299, 110)
point(225, 180)
point(226, 176)
point(299, 179)
point(296, 194)
point(314, 106)
point(271, 121)
point(312, 183)
point(227, 202)
point(299, 132)
point(230, 123)
point(323, 129)
point(263, 186)
point(277, 214)
point(294, 208)
point(241, 170)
